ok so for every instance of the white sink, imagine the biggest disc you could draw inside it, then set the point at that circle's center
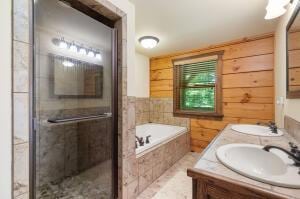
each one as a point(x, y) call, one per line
point(252, 161)
point(255, 130)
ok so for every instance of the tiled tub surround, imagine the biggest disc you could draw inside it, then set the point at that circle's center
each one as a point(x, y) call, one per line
point(153, 164)
point(142, 111)
point(211, 165)
point(158, 110)
point(157, 135)
point(161, 112)
point(292, 127)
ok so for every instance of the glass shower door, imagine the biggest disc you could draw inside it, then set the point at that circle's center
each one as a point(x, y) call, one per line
point(72, 103)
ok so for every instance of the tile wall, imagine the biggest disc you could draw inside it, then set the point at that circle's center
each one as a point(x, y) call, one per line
point(21, 65)
point(293, 127)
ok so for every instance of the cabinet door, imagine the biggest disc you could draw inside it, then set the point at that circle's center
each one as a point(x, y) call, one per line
point(210, 191)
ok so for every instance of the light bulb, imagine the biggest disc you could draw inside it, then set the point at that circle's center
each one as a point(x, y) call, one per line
point(82, 51)
point(73, 47)
point(62, 44)
point(98, 56)
point(91, 54)
point(68, 64)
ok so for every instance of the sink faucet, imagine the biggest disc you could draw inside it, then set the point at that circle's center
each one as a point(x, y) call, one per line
point(271, 125)
point(294, 154)
point(140, 140)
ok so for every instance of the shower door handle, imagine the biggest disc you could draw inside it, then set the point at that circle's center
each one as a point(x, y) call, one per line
point(82, 118)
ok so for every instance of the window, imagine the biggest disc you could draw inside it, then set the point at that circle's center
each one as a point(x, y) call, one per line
point(197, 86)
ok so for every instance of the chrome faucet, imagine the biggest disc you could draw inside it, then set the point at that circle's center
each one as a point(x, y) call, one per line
point(294, 154)
point(271, 125)
point(140, 140)
point(147, 139)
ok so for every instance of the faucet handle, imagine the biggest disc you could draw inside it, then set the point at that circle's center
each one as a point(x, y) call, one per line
point(147, 139)
point(294, 148)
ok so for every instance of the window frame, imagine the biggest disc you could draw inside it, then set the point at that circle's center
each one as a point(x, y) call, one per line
point(218, 113)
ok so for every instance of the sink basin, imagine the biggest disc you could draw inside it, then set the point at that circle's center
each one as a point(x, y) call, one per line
point(252, 161)
point(255, 130)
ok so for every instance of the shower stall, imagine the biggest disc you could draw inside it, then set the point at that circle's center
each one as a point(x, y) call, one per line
point(74, 102)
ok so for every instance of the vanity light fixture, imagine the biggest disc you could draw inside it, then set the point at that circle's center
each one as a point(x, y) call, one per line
point(276, 8)
point(80, 49)
point(149, 41)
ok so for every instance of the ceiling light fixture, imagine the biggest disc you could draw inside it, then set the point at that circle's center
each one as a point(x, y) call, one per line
point(149, 41)
point(276, 8)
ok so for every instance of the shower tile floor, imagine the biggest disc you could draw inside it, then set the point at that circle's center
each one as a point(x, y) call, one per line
point(174, 183)
point(93, 183)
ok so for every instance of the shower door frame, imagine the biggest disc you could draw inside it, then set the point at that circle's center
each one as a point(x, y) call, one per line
point(114, 97)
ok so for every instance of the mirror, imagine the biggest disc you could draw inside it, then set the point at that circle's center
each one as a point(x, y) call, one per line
point(293, 55)
point(75, 78)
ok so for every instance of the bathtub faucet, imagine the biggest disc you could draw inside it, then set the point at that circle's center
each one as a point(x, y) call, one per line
point(140, 140)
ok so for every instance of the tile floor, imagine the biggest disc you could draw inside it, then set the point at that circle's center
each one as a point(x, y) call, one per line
point(174, 183)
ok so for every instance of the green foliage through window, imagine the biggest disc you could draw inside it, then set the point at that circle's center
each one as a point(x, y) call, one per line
point(197, 86)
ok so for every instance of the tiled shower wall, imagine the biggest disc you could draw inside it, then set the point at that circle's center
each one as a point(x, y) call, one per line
point(21, 63)
point(293, 127)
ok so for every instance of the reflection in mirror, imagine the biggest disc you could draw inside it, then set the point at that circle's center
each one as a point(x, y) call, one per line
point(293, 56)
point(75, 78)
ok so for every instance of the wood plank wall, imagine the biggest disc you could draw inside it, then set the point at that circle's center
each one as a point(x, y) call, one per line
point(294, 61)
point(248, 87)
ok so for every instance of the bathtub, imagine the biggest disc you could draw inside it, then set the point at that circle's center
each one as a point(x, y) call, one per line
point(160, 134)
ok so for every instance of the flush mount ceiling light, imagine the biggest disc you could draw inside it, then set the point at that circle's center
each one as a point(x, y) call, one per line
point(149, 41)
point(276, 8)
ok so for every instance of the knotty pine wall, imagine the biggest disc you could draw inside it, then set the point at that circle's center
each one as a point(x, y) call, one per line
point(248, 87)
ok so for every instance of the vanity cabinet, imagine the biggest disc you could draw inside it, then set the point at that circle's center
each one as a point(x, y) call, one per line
point(210, 186)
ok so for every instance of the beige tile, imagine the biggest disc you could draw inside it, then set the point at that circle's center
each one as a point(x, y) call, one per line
point(23, 196)
point(132, 168)
point(145, 180)
point(131, 113)
point(131, 142)
point(145, 163)
point(21, 169)
point(21, 67)
point(21, 20)
point(133, 189)
point(21, 116)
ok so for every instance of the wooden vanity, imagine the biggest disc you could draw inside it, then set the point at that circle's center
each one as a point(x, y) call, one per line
point(212, 180)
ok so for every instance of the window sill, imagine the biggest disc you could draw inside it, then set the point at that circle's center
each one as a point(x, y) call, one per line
point(208, 116)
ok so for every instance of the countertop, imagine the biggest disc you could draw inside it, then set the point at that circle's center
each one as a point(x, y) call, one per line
point(208, 162)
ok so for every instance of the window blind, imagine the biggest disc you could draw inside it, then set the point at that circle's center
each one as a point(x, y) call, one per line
point(197, 86)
